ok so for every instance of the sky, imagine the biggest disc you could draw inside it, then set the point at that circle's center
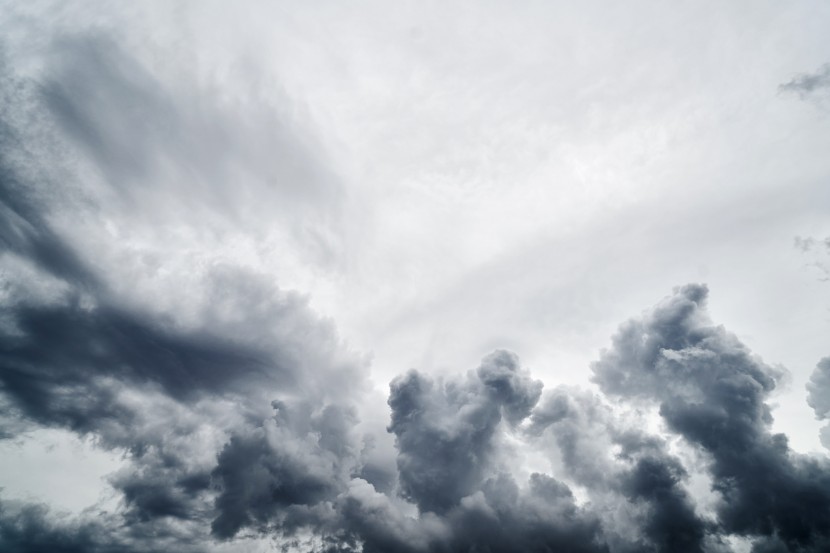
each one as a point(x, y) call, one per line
point(415, 276)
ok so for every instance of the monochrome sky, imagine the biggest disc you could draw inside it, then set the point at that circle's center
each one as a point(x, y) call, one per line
point(415, 276)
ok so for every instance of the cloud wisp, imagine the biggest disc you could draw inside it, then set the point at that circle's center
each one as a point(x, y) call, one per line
point(807, 84)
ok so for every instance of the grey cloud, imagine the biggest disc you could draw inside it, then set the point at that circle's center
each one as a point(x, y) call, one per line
point(546, 518)
point(287, 472)
point(24, 230)
point(448, 434)
point(711, 390)
point(31, 527)
point(131, 379)
point(499, 517)
point(116, 374)
point(131, 123)
point(73, 346)
point(809, 83)
point(371, 517)
point(301, 469)
point(509, 385)
point(155, 496)
point(95, 121)
point(639, 489)
point(818, 396)
point(819, 389)
point(671, 523)
point(578, 424)
point(27, 528)
point(444, 430)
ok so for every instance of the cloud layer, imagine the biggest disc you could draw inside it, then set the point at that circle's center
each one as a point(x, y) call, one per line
point(134, 316)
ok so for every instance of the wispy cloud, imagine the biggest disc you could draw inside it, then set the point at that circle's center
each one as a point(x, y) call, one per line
point(808, 84)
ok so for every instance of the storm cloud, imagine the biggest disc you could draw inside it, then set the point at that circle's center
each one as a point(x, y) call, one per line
point(711, 390)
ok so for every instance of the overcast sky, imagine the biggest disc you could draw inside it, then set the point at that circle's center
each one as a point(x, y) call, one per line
point(415, 276)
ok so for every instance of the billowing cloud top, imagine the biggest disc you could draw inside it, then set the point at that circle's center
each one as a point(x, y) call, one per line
point(134, 317)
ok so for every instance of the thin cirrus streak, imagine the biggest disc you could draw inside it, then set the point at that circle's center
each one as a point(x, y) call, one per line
point(144, 216)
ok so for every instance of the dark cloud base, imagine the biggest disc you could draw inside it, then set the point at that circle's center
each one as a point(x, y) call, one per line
point(237, 430)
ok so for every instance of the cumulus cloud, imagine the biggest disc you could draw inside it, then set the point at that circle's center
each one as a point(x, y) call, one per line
point(711, 390)
point(445, 432)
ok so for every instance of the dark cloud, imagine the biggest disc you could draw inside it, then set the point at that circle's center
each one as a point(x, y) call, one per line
point(31, 527)
point(28, 528)
point(300, 469)
point(545, 518)
point(134, 384)
point(177, 399)
point(449, 436)
point(444, 431)
point(74, 347)
point(711, 390)
point(540, 516)
point(287, 472)
point(671, 523)
point(624, 470)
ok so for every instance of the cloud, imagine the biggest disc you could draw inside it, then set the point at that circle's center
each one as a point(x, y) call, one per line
point(449, 436)
point(445, 431)
point(818, 396)
point(210, 450)
point(628, 474)
point(241, 414)
point(26, 527)
point(182, 395)
point(287, 472)
point(807, 84)
point(711, 390)
point(201, 461)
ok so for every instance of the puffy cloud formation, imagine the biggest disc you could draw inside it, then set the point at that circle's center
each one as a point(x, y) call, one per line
point(445, 432)
point(711, 390)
